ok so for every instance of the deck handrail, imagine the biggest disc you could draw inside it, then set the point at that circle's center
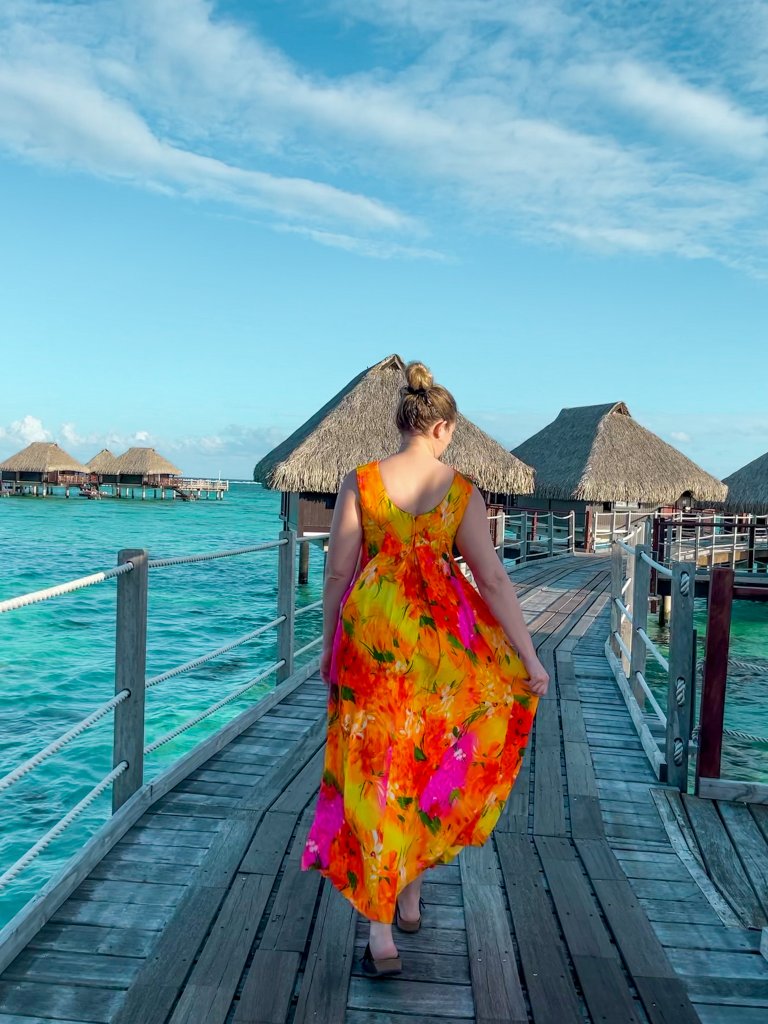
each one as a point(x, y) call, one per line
point(635, 577)
point(128, 703)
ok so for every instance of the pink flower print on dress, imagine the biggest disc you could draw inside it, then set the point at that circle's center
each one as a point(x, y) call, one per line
point(329, 817)
point(466, 614)
point(450, 776)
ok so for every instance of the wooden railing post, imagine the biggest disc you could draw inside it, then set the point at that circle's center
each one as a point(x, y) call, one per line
point(286, 602)
point(501, 529)
point(130, 674)
point(551, 539)
point(524, 538)
point(715, 674)
point(680, 683)
point(640, 591)
point(616, 575)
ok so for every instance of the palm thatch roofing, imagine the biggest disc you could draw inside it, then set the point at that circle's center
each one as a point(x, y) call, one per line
point(599, 453)
point(43, 457)
point(144, 462)
point(748, 487)
point(358, 426)
point(105, 463)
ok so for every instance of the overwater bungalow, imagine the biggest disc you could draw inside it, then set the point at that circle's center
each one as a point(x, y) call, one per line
point(39, 467)
point(357, 426)
point(748, 488)
point(598, 461)
point(103, 467)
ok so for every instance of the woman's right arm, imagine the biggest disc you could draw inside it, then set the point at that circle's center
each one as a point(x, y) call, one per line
point(344, 547)
point(473, 540)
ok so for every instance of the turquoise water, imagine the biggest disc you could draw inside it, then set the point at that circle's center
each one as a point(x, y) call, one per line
point(57, 657)
point(746, 705)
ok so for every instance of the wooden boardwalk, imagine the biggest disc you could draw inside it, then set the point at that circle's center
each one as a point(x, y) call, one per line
point(582, 908)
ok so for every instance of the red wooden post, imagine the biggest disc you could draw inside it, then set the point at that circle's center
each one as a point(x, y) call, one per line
point(715, 674)
point(588, 530)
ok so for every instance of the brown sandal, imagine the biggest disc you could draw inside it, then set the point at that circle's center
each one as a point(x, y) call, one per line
point(408, 926)
point(380, 968)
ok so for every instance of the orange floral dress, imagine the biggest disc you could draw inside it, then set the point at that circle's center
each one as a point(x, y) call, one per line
point(428, 712)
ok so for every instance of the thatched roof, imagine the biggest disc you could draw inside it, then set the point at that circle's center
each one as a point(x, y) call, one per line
point(358, 426)
point(43, 457)
point(144, 462)
point(748, 487)
point(599, 453)
point(105, 462)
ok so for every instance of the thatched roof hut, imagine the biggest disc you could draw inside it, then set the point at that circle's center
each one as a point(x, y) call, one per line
point(143, 464)
point(598, 453)
point(103, 464)
point(42, 461)
point(748, 488)
point(358, 425)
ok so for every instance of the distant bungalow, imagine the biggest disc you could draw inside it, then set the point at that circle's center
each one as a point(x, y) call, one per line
point(39, 467)
point(748, 488)
point(596, 458)
point(358, 426)
point(44, 465)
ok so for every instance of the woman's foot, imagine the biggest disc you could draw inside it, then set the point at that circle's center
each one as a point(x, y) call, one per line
point(381, 943)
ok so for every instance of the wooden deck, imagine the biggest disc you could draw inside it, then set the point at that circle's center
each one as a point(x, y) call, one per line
point(584, 906)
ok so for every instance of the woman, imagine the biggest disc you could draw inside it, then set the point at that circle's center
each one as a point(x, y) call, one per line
point(433, 686)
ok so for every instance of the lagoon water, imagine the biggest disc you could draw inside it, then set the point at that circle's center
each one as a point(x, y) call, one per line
point(57, 657)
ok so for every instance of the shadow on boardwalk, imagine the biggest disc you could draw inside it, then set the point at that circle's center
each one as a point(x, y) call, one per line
point(576, 910)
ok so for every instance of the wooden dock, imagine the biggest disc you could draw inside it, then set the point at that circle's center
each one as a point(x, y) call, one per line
point(584, 907)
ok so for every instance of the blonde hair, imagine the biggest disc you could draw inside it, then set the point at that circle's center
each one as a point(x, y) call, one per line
point(422, 402)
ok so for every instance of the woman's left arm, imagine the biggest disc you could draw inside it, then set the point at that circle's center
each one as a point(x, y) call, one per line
point(343, 553)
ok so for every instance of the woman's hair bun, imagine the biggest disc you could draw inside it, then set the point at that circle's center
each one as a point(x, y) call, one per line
point(418, 376)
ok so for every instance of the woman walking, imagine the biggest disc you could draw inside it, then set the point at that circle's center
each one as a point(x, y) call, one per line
point(433, 686)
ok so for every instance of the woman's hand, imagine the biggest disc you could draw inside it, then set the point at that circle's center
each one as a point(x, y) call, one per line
point(325, 664)
point(538, 677)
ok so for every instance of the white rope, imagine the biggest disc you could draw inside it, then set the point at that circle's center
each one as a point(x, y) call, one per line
point(627, 585)
point(162, 563)
point(735, 734)
point(622, 645)
point(58, 828)
point(661, 569)
point(627, 548)
point(653, 649)
point(307, 647)
point(308, 538)
point(56, 745)
point(155, 680)
point(213, 708)
point(627, 614)
point(652, 700)
point(315, 606)
point(64, 588)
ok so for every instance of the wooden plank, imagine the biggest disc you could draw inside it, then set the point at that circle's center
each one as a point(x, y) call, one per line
point(722, 861)
point(61, 968)
point(751, 846)
point(379, 1017)
point(419, 965)
point(291, 916)
point(269, 843)
point(543, 956)
point(210, 988)
point(594, 956)
point(324, 986)
point(548, 804)
point(700, 936)
point(59, 1002)
point(268, 990)
point(725, 789)
point(424, 999)
point(97, 940)
point(496, 988)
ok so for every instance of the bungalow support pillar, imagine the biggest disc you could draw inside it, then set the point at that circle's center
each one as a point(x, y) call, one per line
point(304, 563)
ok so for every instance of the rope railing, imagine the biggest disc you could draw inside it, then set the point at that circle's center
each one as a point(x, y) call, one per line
point(12, 603)
point(315, 606)
point(208, 556)
point(651, 698)
point(61, 741)
point(625, 612)
point(308, 647)
point(663, 570)
point(203, 659)
point(212, 709)
point(651, 646)
point(55, 831)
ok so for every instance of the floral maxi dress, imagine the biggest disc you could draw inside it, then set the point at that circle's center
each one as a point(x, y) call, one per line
point(428, 712)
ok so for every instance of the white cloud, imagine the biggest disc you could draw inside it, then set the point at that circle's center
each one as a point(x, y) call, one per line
point(23, 432)
point(506, 118)
point(680, 435)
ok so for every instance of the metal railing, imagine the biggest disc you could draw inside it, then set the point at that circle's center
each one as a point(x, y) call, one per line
point(131, 685)
point(539, 534)
point(708, 539)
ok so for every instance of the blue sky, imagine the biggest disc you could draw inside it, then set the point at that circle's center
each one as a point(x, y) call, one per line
point(213, 214)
